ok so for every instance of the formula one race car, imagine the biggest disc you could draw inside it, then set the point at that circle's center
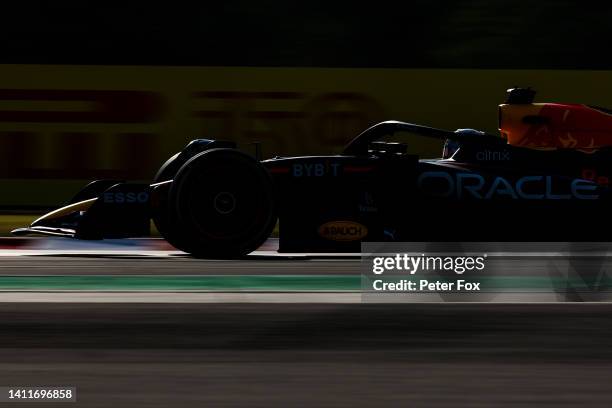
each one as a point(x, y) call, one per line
point(545, 178)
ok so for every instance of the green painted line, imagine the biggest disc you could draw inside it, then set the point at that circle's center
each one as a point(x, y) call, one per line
point(213, 283)
point(278, 283)
point(542, 282)
point(521, 283)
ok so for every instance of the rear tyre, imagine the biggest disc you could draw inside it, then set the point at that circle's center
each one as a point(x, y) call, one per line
point(221, 205)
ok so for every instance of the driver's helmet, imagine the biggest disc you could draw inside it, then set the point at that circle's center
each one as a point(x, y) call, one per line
point(451, 146)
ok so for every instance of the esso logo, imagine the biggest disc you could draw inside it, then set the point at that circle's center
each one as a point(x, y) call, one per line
point(126, 198)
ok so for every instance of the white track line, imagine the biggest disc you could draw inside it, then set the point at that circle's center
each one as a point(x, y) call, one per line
point(156, 253)
point(251, 297)
point(172, 297)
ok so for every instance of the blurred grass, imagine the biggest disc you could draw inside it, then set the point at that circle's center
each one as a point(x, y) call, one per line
point(9, 222)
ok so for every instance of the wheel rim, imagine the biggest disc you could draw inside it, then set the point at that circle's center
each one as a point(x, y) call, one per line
point(224, 202)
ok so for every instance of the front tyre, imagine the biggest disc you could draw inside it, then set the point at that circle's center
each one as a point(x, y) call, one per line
point(221, 205)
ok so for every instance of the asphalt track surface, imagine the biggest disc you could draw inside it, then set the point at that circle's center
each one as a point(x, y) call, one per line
point(230, 352)
point(268, 355)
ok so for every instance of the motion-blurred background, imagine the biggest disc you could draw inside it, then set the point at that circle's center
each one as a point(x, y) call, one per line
point(98, 90)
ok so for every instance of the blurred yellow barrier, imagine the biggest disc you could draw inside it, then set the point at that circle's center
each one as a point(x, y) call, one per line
point(61, 125)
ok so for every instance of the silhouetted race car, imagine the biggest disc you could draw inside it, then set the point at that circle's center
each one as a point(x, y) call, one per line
point(545, 178)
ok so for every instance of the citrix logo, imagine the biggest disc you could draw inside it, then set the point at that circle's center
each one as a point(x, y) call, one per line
point(493, 155)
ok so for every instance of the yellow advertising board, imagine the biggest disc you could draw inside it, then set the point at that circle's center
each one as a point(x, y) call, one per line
point(63, 125)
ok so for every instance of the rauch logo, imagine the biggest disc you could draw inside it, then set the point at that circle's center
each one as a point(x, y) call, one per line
point(343, 231)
